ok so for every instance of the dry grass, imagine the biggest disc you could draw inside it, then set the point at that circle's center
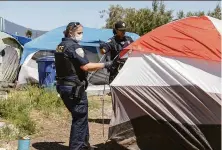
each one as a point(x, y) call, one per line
point(95, 107)
point(20, 106)
point(40, 114)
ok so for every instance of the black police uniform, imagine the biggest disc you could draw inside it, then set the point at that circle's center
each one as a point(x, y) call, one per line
point(113, 47)
point(71, 85)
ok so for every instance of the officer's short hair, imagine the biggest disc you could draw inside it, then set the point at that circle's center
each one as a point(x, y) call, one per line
point(71, 26)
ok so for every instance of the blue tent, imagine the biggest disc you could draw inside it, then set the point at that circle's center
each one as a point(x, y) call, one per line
point(22, 40)
point(50, 40)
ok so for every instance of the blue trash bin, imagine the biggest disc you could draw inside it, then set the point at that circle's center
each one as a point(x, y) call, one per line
point(47, 73)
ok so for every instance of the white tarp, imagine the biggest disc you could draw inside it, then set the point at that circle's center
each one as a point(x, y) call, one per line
point(182, 94)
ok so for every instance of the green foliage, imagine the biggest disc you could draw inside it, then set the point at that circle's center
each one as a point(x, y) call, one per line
point(144, 20)
point(216, 13)
point(28, 33)
point(17, 108)
point(139, 21)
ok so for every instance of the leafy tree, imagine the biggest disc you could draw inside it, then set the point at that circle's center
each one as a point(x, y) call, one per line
point(144, 20)
point(139, 21)
point(180, 14)
point(28, 33)
point(216, 13)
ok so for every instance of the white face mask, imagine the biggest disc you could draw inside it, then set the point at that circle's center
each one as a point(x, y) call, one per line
point(78, 38)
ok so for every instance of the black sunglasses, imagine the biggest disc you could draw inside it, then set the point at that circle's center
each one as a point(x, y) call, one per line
point(76, 24)
point(79, 32)
point(73, 24)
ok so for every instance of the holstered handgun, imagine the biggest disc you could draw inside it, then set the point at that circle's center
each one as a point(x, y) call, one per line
point(79, 89)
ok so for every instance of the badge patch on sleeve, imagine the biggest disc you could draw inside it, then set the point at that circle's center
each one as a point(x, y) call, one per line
point(80, 52)
point(108, 41)
point(60, 49)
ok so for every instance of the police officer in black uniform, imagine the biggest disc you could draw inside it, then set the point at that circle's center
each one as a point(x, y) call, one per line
point(72, 66)
point(114, 45)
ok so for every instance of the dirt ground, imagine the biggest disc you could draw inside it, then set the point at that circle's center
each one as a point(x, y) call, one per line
point(54, 131)
point(55, 136)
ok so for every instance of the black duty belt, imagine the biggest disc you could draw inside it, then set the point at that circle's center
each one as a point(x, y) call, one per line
point(69, 83)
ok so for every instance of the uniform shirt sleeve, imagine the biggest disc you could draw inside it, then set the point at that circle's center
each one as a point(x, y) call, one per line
point(78, 55)
point(130, 39)
point(107, 46)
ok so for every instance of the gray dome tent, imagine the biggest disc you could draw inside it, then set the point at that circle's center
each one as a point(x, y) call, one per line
point(10, 53)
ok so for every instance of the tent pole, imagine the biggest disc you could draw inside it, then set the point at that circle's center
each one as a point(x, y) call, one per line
point(96, 70)
point(103, 105)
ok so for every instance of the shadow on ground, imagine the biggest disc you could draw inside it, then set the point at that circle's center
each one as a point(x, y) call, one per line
point(50, 146)
point(106, 121)
point(111, 145)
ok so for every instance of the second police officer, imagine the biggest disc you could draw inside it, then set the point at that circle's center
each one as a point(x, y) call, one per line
point(114, 45)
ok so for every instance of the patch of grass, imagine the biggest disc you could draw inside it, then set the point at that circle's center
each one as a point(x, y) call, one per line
point(16, 111)
point(95, 102)
point(95, 106)
point(17, 108)
point(21, 104)
point(8, 132)
point(47, 101)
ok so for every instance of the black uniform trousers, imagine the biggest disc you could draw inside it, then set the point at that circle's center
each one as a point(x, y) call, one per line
point(79, 135)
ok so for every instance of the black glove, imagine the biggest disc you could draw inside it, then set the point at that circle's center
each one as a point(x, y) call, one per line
point(108, 64)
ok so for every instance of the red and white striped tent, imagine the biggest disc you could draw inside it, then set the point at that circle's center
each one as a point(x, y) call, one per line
point(168, 93)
